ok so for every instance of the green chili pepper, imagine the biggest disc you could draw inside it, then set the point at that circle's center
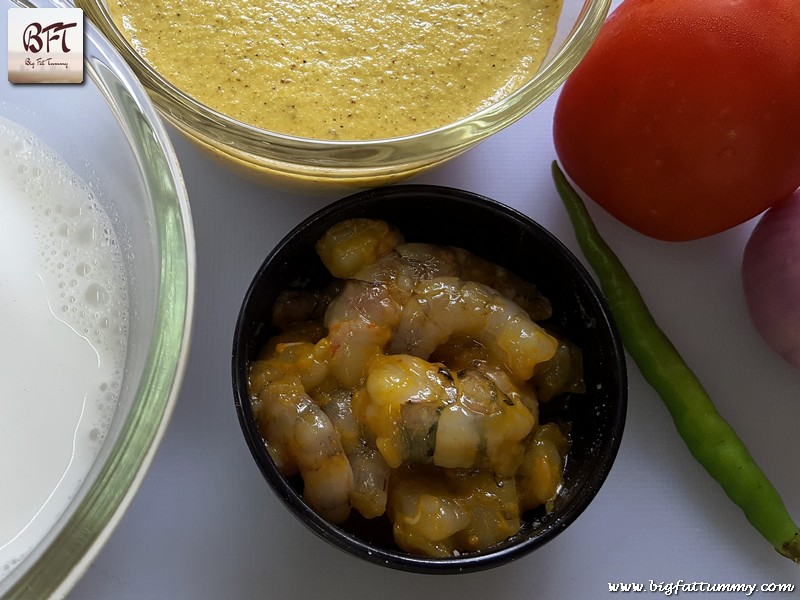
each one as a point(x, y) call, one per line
point(713, 443)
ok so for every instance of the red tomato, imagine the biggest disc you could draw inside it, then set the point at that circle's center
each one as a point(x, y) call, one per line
point(683, 119)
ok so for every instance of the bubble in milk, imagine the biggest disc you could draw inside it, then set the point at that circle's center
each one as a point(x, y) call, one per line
point(96, 294)
point(81, 252)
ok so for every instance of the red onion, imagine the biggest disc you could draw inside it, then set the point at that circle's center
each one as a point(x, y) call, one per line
point(771, 278)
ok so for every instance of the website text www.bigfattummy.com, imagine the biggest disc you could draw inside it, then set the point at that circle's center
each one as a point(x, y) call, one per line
point(670, 588)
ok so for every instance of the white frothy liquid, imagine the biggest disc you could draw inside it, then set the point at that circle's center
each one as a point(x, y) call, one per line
point(63, 337)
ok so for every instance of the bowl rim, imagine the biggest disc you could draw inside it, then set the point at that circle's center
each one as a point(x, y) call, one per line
point(395, 558)
point(253, 143)
point(54, 570)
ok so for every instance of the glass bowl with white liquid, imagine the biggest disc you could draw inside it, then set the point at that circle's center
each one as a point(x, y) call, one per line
point(96, 300)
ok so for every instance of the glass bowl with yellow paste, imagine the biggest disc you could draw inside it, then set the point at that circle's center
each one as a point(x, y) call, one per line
point(415, 393)
point(356, 92)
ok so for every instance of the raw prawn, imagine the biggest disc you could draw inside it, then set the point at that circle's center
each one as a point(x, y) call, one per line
point(461, 353)
point(370, 481)
point(410, 262)
point(484, 428)
point(420, 412)
point(351, 244)
point(524, 293)
point(438, 512)
point(360, 323)
point(300, 437)
point(443, 307)
point(561, 374)
point(407, 264)
point(370, 471)
point(539, 477)
point(399, 405)
point(300, 350)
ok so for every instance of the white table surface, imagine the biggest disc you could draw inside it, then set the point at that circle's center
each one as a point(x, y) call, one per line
point(205, 526)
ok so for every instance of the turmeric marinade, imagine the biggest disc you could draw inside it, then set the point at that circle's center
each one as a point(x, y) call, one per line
point(409, 389)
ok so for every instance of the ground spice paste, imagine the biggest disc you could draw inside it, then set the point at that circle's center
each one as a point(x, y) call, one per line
point(342, 69)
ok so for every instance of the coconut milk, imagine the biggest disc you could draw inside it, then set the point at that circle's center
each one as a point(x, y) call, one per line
point(63, 336)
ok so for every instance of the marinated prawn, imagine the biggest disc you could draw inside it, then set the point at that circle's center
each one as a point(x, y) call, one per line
point(408, 391)
point(443, 307)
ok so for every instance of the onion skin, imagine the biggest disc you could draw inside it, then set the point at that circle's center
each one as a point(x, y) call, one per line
point(771, 278)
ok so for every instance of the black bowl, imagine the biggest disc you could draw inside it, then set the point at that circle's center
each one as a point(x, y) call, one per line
point(496, 232)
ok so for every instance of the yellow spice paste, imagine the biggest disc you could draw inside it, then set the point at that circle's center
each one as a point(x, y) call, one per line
point(342, 69)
